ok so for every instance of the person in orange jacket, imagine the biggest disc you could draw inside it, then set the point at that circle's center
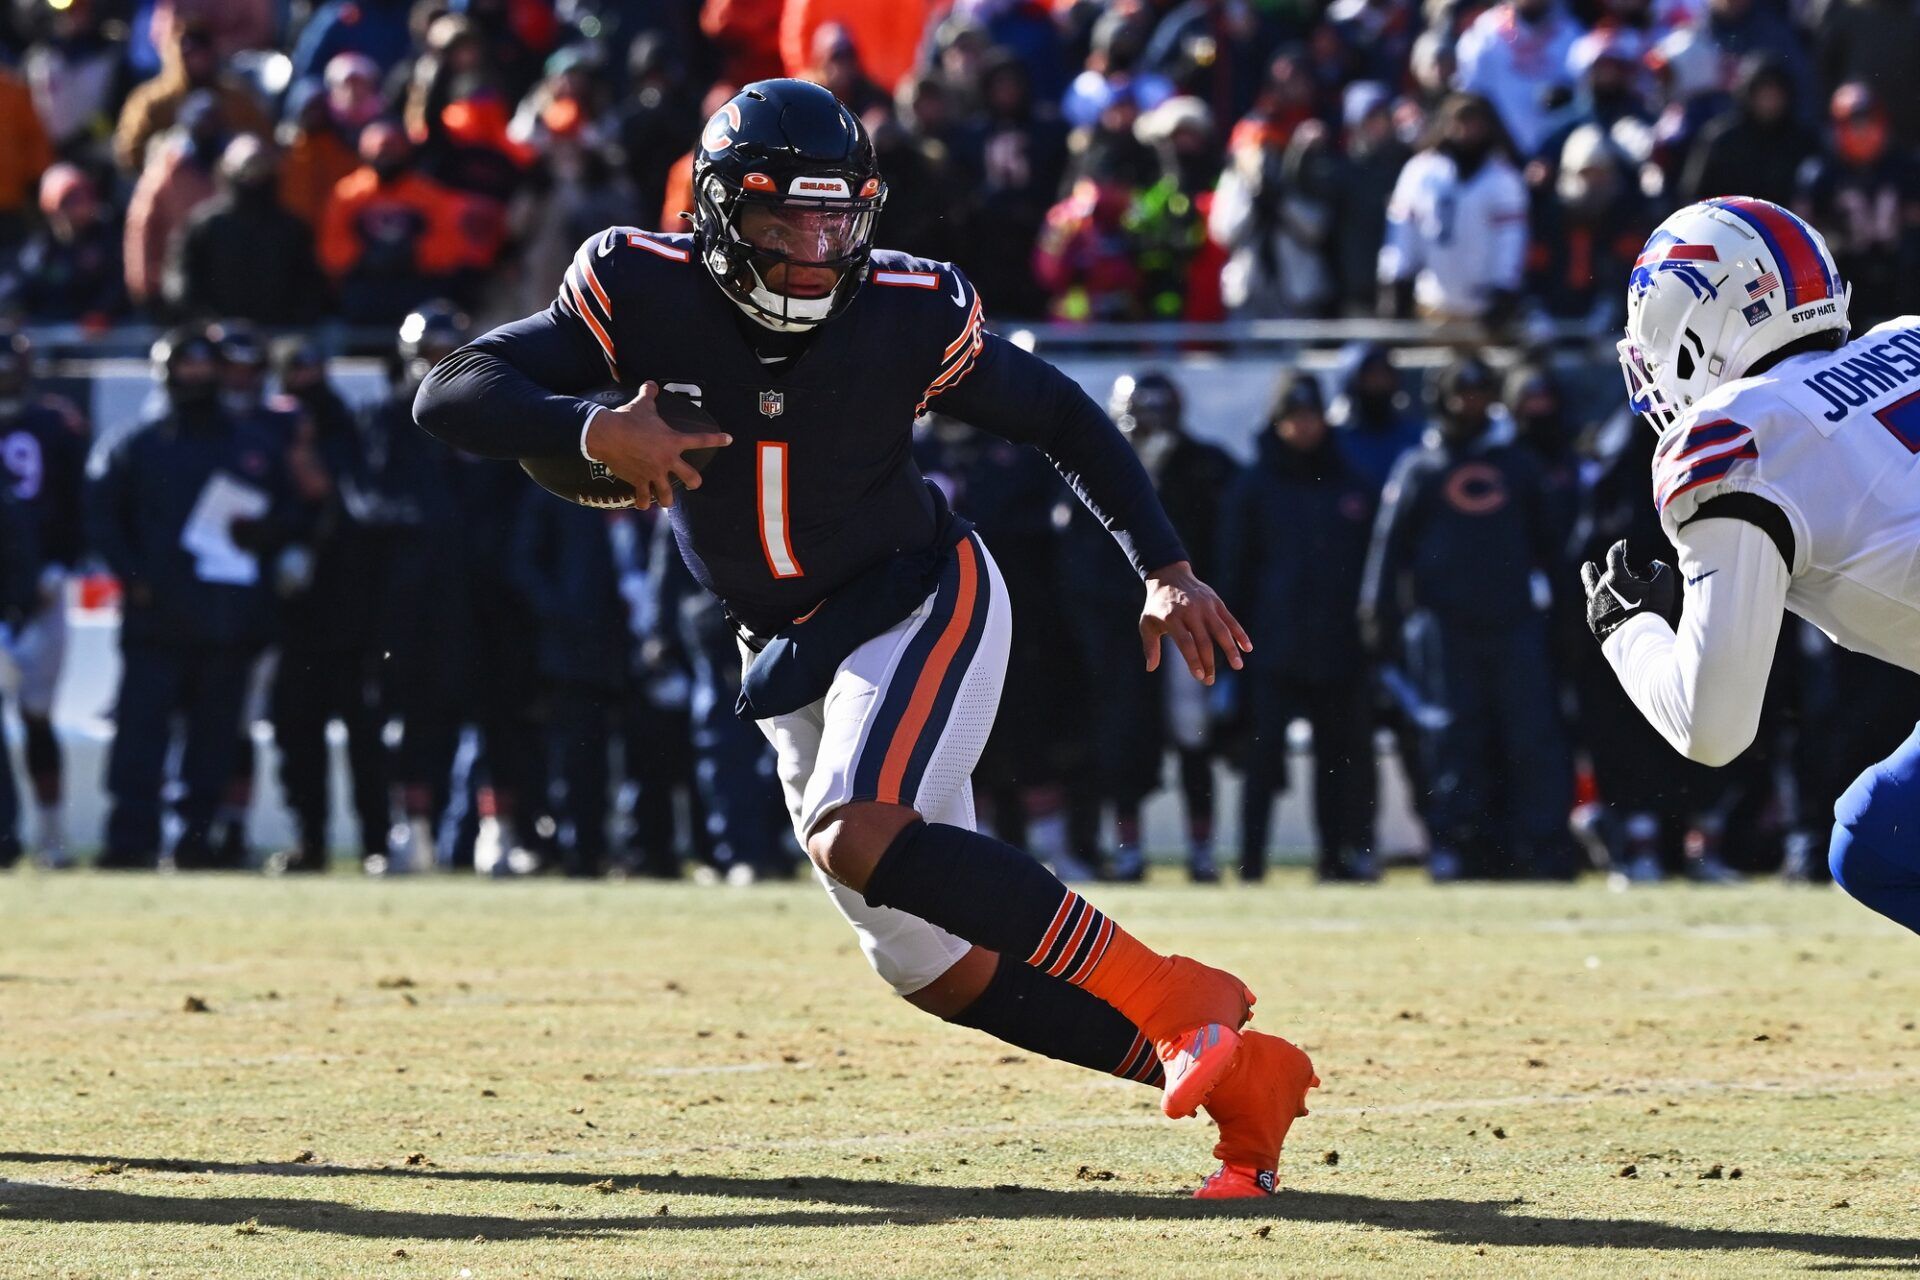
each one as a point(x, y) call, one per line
point(391, 237)
point(890, 32)
point(24, 155)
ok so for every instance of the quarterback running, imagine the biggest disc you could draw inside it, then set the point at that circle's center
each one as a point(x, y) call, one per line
point(874, 620)
point(1787, 474)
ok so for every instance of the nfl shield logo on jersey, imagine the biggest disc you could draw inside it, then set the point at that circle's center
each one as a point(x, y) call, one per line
point(773, 403)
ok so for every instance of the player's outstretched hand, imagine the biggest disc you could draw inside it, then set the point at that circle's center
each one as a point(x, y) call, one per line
point(1183, 607)
point(642, 448)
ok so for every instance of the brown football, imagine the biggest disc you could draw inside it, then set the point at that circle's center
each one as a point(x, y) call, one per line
point(570, 476)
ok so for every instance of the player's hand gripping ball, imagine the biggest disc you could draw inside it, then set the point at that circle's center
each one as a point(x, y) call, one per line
point(571, 476)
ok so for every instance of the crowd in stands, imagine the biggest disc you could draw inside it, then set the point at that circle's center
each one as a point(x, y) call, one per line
point(1083, 160)
point(285, 168)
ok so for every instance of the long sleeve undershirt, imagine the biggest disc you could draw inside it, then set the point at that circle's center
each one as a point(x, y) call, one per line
point(1702, 686)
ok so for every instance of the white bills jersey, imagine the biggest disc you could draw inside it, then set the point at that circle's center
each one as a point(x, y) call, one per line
point(1833, 440)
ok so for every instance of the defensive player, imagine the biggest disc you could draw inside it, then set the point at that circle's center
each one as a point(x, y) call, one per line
point(879, 620)
point(1788, 476)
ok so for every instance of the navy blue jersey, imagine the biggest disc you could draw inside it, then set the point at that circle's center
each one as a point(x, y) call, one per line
point(43, 453)
point(820, 482)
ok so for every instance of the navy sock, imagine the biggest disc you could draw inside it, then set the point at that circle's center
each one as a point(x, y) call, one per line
point(969, 884)
point(1024, 1007)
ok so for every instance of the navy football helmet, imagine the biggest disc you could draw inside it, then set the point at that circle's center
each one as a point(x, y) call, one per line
point(790, 149)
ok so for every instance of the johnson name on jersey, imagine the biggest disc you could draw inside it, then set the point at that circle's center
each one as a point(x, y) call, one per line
point(1832, 439)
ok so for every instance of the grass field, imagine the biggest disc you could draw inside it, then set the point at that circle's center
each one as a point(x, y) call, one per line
point(444, 1078)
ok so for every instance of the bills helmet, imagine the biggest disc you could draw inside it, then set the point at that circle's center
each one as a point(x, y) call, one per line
point(1720, 285)
point(791, 148)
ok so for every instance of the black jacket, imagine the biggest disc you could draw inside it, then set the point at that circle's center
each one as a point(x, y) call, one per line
point(1293, 542)
point(563, 561)
point(141, 491)
point(1461, 531)
point(242, 258)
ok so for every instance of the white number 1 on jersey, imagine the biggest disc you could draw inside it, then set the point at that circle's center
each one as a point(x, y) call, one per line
point(771, 464)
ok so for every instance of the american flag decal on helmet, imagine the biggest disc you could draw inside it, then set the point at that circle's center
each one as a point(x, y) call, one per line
point(1767, 283)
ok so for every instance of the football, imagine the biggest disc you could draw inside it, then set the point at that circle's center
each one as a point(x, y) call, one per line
point(570, 476)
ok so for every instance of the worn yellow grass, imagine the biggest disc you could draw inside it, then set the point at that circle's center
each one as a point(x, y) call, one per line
point(443, 1078)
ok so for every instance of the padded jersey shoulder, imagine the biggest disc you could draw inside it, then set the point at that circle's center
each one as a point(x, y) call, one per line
point(613, 274)
point(941, 316)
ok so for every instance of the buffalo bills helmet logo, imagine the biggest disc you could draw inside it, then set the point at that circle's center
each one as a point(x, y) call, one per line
point(1666, 252)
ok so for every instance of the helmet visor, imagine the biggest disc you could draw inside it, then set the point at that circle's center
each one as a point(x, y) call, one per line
point(805, 235)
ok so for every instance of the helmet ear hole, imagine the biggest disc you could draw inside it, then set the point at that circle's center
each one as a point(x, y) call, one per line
point(1683, 364)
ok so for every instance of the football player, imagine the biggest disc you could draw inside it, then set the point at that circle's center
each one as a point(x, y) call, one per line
point(43, 453)
point(815, 352)
point(1787, 475)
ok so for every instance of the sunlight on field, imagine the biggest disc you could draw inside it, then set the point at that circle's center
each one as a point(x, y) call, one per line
point(227, 1077)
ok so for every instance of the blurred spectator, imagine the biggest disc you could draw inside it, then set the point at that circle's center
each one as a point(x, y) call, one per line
point(1374, 157)
point(1027, 30)
point(1375, 421)
point(1754, 149)
point(1288, 98)
point(43, 451)
point(1180, 261)
point(317, 143)
point(746, 36)
point(372, 29)
point(1687, 71)
point(1864, 195)
point(1190, 476)
point(191, 65)
point(1021, 157)
point(836, 64)
point(1010, 494)
point(745, 825)
point(1114, 70)
point(1449, 601)
point(1457, 223)
point(1293, 543)
point(78, 74)
point(888, 35)
point(1212, 51)
point(566, 561)
point(1872, 43)
point(1274, 212)
point(658, 117)
point(1743, 31)
point(24, 156)
point(1607, 67)
point(242, 254)
point(1086, 258)
point(576, 190)
point(196, 601)
point(233, 25)
point(1515, 55)
point(177, 179)
point(927, 194)
point(390, 237)
point(1108, 144)
point(1588, 229)
point(332, 642)
point(71, 268)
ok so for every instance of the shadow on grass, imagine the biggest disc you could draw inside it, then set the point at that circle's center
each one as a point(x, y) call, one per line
point(812, 1201)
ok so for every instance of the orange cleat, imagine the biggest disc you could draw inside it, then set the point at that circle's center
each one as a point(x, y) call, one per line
point(1195, 1020)
point(1236, 1182)
point(1255, 1102)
